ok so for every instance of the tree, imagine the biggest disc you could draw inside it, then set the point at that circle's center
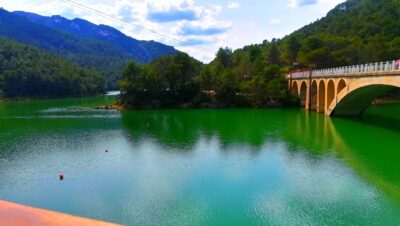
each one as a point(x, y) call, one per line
point(224, 55)
point(130, 78)
point(274, 55)
point(168, 81)
point(226, 91)
point(291, 47)
point(206, 80)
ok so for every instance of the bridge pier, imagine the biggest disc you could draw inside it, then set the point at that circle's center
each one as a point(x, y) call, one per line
point(308, 96)
point(321, 97)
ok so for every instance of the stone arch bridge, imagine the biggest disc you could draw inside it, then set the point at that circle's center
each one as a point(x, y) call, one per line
point(345, 90)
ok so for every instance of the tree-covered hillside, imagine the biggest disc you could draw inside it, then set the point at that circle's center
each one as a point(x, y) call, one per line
point(354, 32)
point(181, 81)
point(26, 71)
point(140, 51)
point(86, 47)
point(88, 53)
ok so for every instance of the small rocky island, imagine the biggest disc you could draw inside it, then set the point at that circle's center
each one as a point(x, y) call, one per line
point(109, 107)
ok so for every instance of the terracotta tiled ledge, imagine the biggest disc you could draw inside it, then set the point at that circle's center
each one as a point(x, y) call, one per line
point(12, 214)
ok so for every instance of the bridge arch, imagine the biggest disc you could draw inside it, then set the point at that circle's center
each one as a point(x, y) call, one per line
point(303, 93)
point(321, 96)
point(295, 88)
point(330, 92)
point(358, 95)
point(341, 85)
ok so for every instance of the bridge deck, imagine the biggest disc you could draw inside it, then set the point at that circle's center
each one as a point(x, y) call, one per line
point(350, 75)
point(14, 214)
point(373, 69)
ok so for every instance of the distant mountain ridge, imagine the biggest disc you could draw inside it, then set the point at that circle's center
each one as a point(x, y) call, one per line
point(141, 51)
point(107, 54)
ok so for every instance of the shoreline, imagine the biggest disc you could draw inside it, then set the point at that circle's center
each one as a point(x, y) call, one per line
point(378, 102)
point(115, 106)
point(121, 107)
point(8, 100)
point(110, 107)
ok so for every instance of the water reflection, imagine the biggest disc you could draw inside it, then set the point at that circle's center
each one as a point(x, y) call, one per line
point(176, 128)
point(301, 130)
point(368, 149)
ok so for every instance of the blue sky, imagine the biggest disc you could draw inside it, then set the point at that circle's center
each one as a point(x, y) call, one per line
point(202, 26)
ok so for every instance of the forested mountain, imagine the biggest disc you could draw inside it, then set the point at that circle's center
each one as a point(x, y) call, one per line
point(354, 32)
point(141, 51)
point(89, 53)
point(104, 57)
point(26, 71)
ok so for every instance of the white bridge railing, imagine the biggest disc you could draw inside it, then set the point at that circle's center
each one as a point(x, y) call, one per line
point(350, 70)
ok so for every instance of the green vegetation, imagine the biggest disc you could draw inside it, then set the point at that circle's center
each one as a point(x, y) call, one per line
point(27, 72)
point(354, 32)
point(88, 53)
point(181, 81)
point(80, 42)
point(166, 82)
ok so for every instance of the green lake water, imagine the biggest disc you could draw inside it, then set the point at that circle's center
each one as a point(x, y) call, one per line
point(202, 167)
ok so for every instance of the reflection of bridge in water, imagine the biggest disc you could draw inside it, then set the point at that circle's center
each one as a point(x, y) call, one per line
point(345, 90)
point(320, 135)
point(179, 132)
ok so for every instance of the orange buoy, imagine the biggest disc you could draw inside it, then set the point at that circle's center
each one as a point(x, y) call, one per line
point(61, 176)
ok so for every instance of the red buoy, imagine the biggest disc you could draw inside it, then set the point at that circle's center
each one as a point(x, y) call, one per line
point(61, 176)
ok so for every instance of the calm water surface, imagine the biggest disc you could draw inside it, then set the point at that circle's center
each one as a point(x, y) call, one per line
point(202, 167)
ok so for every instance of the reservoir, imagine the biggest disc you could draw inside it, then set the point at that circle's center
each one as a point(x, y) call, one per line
point(201, 167)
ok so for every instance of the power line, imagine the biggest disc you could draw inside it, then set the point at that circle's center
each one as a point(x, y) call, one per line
point(100, 13)
point(138, 27)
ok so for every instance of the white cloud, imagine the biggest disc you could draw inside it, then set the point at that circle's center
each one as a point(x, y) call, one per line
point(275, 21)
point(299, 3)
point(234, 5)
point(322, 4)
